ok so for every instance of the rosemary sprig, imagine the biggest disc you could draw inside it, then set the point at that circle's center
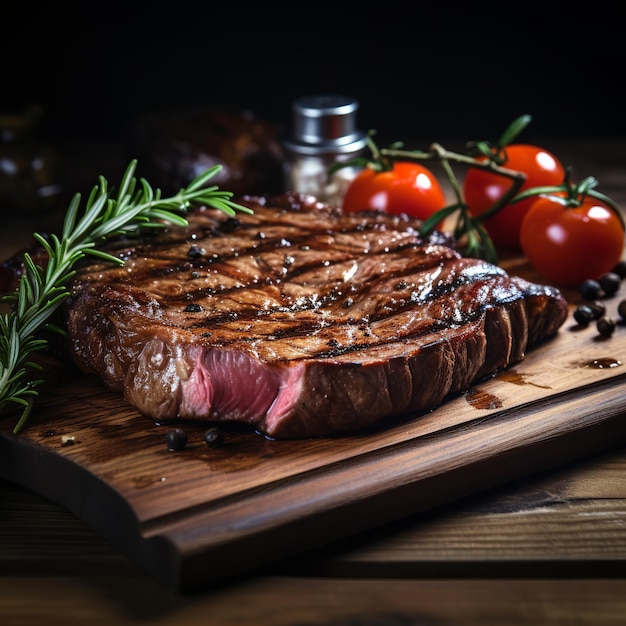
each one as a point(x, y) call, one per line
point(42, 290)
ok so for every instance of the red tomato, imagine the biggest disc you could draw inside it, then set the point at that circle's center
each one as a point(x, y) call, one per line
point(482, 189)
point(569, 244)
point(407, 188)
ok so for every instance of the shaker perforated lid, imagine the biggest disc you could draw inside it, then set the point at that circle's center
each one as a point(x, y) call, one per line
point(325, 124)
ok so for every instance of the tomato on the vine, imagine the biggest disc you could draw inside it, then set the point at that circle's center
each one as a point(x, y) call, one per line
point(569, 242)
point(407, 188)
point(482, 188)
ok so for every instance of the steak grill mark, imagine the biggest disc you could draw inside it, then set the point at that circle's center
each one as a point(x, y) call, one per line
point(299, 295)
point(227, 277)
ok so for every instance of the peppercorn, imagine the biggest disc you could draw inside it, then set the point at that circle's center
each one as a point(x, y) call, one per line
point(590, 289)
point(195, 252)
point(214, 437)
point(598, 309)
point(176, 439)
point(621, 309)
point(610, 283)
point(583, 314)
point(606, 326)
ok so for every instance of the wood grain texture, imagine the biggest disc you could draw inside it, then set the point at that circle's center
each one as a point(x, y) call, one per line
point(569, 522)
point(572, 519)
point(293, 601)
point(458, 563)
point(78, 578)
point(201, 515)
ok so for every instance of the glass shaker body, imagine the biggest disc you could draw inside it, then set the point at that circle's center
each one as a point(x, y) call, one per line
point(324, 133)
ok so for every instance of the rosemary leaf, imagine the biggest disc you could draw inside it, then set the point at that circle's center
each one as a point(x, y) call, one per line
point(41, 291)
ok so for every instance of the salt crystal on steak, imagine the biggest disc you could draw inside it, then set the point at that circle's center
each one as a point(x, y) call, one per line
point(298, 319)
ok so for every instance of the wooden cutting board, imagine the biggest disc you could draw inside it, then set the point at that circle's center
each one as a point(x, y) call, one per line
point(200, 515)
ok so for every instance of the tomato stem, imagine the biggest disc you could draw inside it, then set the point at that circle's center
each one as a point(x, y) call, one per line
point(513, 130)
point(573, 194)
point(469, 229)
point(478, 241)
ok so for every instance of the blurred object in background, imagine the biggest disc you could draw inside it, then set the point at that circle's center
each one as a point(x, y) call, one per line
point(324, 133)
point(174, 147)
point(29, 165)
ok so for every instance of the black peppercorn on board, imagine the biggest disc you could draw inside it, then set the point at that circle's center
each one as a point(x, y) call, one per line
point(224, 503)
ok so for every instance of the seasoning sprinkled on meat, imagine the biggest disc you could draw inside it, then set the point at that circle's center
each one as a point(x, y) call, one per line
point(300, 320)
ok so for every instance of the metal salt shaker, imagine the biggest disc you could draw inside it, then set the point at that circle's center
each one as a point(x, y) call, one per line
point(324, 133)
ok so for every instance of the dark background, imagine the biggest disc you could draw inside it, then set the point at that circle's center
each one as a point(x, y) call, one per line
point(424, 72)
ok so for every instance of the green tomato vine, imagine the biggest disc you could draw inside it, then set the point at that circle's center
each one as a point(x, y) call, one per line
point(472, 237)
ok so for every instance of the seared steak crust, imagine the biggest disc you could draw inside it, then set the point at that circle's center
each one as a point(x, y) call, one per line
point(299, 319)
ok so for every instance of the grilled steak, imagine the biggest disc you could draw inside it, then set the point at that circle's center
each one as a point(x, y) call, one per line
point(299, 320)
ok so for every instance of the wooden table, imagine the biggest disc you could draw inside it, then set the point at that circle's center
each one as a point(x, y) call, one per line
point(549, 549)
